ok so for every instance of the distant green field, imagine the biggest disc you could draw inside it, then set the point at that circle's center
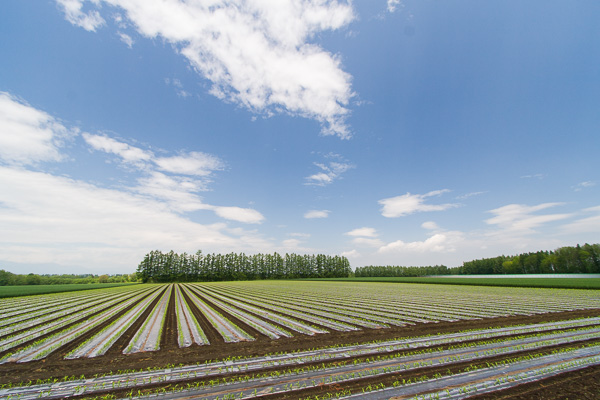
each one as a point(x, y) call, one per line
point(29, 290)
point(562, 283)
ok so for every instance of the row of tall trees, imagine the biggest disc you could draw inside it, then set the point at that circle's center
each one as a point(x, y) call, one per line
point(564, 260)
point(173, 267)
point(391, 270)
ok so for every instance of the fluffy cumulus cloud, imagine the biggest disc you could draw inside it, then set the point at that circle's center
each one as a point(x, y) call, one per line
point(312, 214)
point(89, 20)
point(28, 135)
point(329, 171)
point(256, 53)
point(406, 204)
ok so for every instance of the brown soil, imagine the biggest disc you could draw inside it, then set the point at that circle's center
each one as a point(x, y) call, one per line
point(170, 354)
point(577, 385)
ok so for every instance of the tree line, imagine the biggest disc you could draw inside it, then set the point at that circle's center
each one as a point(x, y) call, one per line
point(564, 260)
point(172, 267)
point(10, 279)
point(397, 271)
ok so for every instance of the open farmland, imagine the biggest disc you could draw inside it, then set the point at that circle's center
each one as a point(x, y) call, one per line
point(292, 339)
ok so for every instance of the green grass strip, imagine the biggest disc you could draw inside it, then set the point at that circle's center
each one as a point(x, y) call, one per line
point(558, 283)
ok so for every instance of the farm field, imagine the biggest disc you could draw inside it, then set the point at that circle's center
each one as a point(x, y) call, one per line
point(297, 340)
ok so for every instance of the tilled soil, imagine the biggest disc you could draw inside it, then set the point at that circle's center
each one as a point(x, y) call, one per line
point(170, 353)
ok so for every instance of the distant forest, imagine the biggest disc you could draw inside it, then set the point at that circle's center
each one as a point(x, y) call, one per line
point(173, 267)
point(564, 260)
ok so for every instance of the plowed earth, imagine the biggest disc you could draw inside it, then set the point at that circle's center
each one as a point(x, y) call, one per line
point(582, 384)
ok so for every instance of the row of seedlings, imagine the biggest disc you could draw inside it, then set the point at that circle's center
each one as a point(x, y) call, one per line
point(319, 320)
point(188, 328)
point(54, 322)
point(41, 348)
point(148, 336)
point(286, 321)
point(381, 351)
point(99, 344)
point(229, 331)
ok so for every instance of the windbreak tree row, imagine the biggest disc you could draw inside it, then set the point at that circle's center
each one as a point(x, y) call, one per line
point(172, 267)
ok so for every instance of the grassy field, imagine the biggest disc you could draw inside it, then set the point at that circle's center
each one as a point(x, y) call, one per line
point(562, 283)
point(29, 290)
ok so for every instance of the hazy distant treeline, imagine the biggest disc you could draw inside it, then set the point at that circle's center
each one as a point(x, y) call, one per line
point(10, 279)
point(564, 260)
point(173, 267)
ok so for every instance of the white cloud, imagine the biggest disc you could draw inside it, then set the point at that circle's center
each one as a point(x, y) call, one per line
point(534, 176)
point(584, 185)
point(193, 163)
point(316, 214)
point(467, 195)
point(299, 235)
point(176, 83)
point(291, 243)
point(246, 215)
point(129, 154)
point(351, 254)
point(28, 135)
point(330, 171)
point(392, 5)
point(521, 218)
point(256, 53)
point(125, 38)
point(177, 191)
point(586, 224)
point(440, 242)
point(406, 204)
point(366, 232)
point(89, 21)
point(52, 219)
point(430, 225)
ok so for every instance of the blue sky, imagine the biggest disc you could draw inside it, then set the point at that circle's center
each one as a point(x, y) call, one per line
point(392, 132)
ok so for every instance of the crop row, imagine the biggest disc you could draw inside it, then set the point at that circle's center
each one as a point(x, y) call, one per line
point(247, 378)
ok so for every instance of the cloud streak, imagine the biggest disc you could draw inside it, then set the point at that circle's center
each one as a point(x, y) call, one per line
point(27, 135)
point(407, 204)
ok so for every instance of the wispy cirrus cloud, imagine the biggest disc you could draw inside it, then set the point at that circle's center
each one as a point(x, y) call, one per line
point(523, 218)
point(407, 204)
point(28, 135)
point(330, 170)
point(256, 54)
point(584, 185)
point(175, 179)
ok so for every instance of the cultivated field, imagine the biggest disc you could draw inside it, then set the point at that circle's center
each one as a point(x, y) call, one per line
point(296, 340)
